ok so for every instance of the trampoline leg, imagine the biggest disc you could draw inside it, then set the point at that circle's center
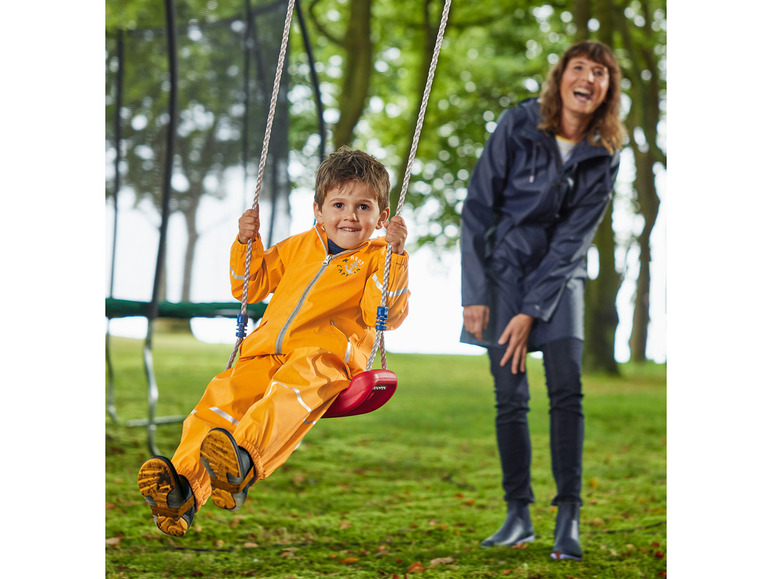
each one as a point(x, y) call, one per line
point(152, 399)
point(110, 382)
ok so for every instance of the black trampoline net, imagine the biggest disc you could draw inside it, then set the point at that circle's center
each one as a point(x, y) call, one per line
point(225, 74)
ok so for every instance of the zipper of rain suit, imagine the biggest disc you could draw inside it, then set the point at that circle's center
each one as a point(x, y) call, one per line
point(304, 295)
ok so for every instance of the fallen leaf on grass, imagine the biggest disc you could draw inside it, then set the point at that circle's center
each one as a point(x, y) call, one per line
point(113, 540)
point(416, 567)
point(441, 561)
point(344, 525)
point(349, 560)
point(250, 545)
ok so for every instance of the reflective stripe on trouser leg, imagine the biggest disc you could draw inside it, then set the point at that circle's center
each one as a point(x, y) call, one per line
point(300, 392)
point(225, 401)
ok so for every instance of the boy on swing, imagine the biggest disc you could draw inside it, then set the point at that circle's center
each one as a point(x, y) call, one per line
point(316, 334)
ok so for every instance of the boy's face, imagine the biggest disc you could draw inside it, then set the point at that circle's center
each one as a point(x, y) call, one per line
point(350, 214)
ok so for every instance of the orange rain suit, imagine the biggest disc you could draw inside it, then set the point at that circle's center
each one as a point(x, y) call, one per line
point(317, 332)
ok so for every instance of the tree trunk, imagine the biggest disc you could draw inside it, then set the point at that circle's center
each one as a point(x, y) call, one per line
point(581, 16)
point(356, 77)
point(190, 248)
point(641, 318)
point(644, 115)
point(601, 318)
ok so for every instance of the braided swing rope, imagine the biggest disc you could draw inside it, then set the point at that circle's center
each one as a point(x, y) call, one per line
point(242, 318)
point(383, 310)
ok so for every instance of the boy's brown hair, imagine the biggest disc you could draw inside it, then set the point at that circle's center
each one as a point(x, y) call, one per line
point(347, 165)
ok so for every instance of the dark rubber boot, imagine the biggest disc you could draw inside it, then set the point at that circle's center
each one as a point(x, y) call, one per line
point(230, 469)
point(517, 528)
point(567, 533)
point(169, 495)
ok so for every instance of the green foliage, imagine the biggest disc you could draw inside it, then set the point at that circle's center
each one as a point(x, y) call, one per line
point(494, 54)
point(134, 14)
point(211, 91)
point(414, 485)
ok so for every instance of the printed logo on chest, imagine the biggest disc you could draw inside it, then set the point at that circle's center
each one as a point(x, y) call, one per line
point(350, 265)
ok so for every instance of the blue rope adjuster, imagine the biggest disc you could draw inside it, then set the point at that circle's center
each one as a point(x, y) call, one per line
point(241, 323)
point(381, 317)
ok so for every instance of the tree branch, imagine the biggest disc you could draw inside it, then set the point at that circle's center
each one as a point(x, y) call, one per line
point(320, 27)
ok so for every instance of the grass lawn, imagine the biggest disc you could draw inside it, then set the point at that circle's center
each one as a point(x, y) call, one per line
point(411, 488)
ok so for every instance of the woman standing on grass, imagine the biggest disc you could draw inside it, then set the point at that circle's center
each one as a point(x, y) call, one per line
point(535, 200)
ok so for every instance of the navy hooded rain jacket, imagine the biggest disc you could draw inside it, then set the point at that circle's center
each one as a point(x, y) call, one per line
point(527, 223)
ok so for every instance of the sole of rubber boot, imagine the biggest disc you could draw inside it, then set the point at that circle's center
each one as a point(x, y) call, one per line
point(490, 542)
point(558, 556)
point(219, 455)
point(157, 479)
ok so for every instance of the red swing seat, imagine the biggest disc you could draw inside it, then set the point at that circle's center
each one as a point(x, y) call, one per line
point(367, 391)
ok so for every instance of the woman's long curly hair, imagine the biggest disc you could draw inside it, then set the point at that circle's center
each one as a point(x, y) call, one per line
point(605, 128)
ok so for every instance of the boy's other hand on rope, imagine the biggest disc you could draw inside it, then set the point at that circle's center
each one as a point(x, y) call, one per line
point(515, 335)
point(476, 320)
point(396, 234)
point(249, 225)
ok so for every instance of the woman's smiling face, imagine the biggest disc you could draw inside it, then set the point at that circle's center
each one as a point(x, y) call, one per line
point(350, 214)
point(583, 86)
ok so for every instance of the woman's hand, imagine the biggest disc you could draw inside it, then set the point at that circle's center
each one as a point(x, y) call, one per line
point(476, 320)
point(515, 336)
point(249, 225)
